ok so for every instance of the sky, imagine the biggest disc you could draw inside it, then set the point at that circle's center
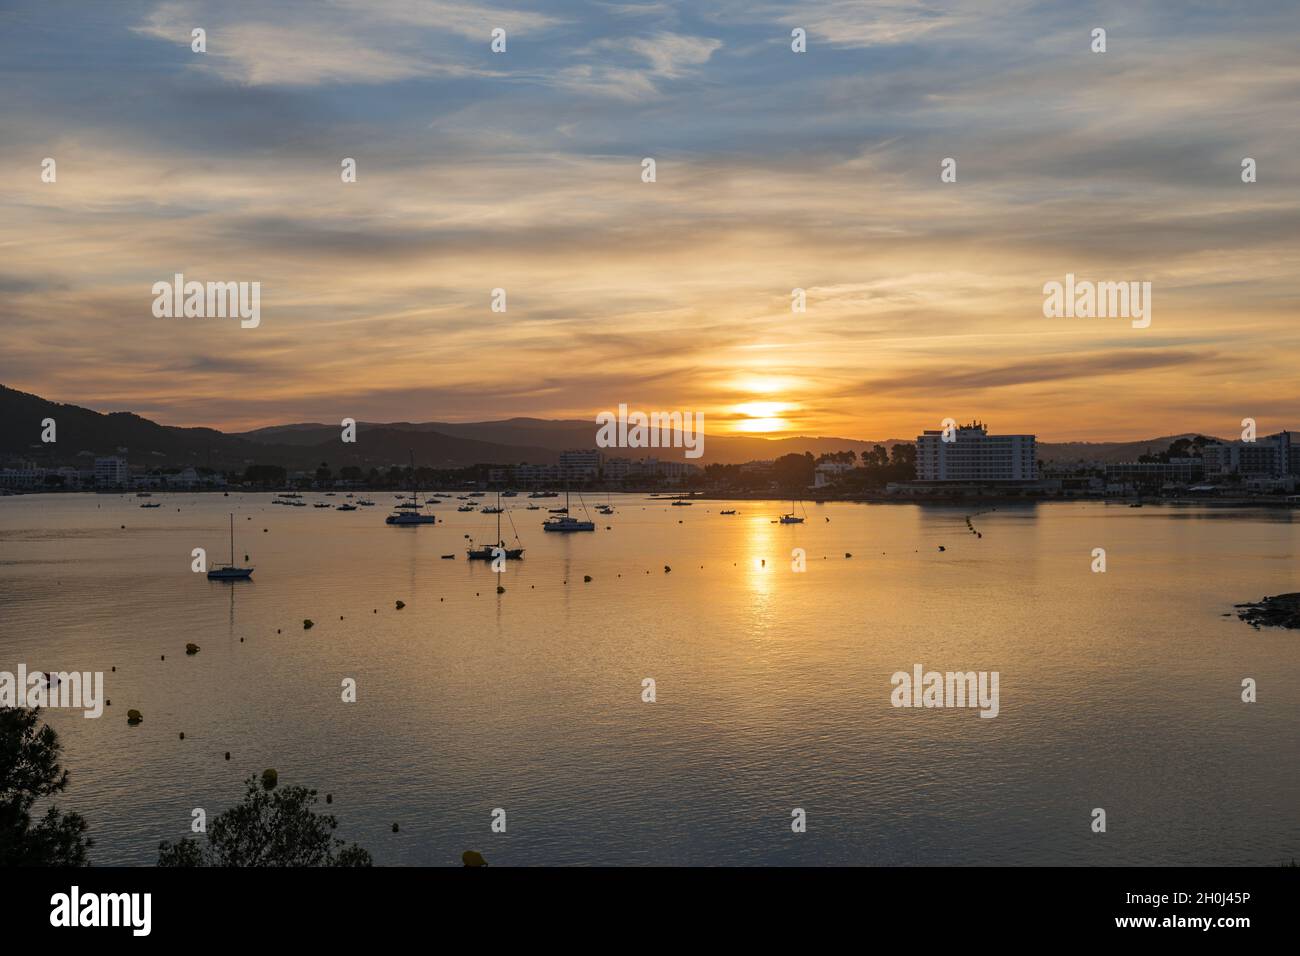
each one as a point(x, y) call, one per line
point(774, 171)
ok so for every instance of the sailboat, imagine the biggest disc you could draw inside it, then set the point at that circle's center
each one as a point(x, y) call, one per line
point(229, 572)
point(791, 517)
point(488, 553)
point(411, 514)
point(565, 522)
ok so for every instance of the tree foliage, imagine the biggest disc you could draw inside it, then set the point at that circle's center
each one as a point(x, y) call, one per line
point(30, 771)
point(269, 828)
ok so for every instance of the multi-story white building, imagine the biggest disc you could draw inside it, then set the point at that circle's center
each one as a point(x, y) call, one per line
point(975, 455)
point(111, 472)
point(828, 471)
point(1270, 457)
point(580, 465)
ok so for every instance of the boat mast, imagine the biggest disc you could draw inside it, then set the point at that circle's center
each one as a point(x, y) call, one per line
point(232, 539)
point(414, 491)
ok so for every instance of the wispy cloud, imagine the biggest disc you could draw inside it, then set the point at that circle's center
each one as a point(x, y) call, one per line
point(776, 170)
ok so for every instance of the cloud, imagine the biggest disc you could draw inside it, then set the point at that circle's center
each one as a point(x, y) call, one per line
point(377, 42)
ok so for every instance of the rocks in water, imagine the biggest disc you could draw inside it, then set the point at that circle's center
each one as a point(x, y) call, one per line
point(134, 717)
point(269, 779)
point(401, 604)
point(191, 649)
point(586, 579)
point(848, 554)
point(942, 548)
point(1282, 610)
point(308, 624)
point(473, 858)
point(666, 569)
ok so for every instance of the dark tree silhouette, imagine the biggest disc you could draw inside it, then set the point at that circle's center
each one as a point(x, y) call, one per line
point(269, 828)
point(30, 771)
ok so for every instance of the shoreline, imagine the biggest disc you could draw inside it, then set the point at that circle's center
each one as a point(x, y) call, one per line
point(672, 495)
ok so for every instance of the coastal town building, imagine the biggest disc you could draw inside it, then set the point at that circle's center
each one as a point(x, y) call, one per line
point(827, 471)
point(111, 472)
point(1273, 456)
point(582, 466)
point(1176, 471)
point(973, 455)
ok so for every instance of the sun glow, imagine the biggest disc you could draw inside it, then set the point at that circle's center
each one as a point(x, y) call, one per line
point(762, 416)
point(763, 409)
point(761, 425)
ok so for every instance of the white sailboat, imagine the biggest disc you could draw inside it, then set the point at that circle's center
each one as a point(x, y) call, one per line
point(566, 523)
point(229, 572)
point(791, 517)
point(412, 513)
point(490, 552)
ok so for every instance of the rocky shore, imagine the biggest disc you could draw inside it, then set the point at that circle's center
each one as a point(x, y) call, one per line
point(1282, 610)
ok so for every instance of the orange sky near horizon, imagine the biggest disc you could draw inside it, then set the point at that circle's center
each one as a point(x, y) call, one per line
point(924, 298)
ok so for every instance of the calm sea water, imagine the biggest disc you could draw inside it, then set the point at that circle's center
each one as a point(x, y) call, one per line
point(1118, 690)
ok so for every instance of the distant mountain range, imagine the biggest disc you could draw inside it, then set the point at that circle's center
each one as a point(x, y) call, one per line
point(379, 445)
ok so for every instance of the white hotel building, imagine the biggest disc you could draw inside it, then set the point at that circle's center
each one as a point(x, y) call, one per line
point(973, 455)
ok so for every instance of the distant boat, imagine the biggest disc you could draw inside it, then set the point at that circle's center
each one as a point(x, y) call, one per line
point(534, 508)
point(545, 494)
point(793, 518)
point(509, 494)
point(490, 552)
point(143, 494)
point(229, 572)
point(492, 511)
point(565, 523)
point(366, 503)
point(465, 508)
point(345, 507)
point(321, 504)
point(732, 512)
point(412, 515)
point(679, 504)
point(155, 504)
